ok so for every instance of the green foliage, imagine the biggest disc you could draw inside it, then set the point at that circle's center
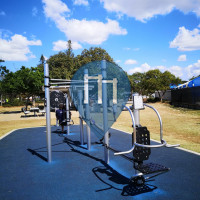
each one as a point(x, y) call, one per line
point(42, 59)
point(136, 81)
point(152, 81)
point(26, 82)
point(14, 102)
point(64, 64)
point(93, 54)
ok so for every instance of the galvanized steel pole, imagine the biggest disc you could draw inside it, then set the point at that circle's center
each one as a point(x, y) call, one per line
point(105, 111)
point(48, 114)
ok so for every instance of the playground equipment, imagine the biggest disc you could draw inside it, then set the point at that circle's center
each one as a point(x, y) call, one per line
point(79, 93)
point(141, 147)
point(56, 98)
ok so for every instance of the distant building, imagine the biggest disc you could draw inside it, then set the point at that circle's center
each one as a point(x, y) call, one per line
point(187, 94)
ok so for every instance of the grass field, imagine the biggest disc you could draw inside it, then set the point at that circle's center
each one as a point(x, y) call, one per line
point(181, 126)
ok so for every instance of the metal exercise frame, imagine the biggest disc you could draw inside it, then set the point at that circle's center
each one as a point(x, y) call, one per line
point(61, 84)
point(135, 118)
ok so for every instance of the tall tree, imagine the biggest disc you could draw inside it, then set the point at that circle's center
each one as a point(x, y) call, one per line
point(94, 54)
point(156, 81)
point(137, 81)
point(42, 59)
point(167, 78)
point(29, 82)
point(152, 81)
point(64, 64)
point(3, 72)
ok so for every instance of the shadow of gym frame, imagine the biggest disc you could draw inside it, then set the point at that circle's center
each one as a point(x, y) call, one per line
point(104, 173)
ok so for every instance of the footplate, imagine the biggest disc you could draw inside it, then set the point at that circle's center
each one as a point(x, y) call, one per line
point(142, 137)
point(150, 168)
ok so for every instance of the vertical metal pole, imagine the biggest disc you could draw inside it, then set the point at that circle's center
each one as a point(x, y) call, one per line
point(80, 98)
point(86, 100)
point(81, 131)
point(67, 114)
point(88, 138)
point(136, 113)
point(105, 111)
point(48, 114)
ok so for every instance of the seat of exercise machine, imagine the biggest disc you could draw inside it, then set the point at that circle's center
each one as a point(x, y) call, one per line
point(142, 137)
point(150, 168)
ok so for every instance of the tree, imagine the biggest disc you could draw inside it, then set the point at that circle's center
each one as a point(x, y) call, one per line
point(136, 81)
point(64, 64)
point(167, 78)
point(42, 59)
point(152, 81)
point(8, 85)
point(3, 72)
point(156, 81)
point(29, 82)
point(93, 54)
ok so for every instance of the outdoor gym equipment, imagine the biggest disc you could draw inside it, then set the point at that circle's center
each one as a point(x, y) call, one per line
point(141, 147)
point(81, 92)
point(56, 98)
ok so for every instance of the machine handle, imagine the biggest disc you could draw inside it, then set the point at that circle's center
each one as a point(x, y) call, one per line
point(160, 120)
point(163, 142)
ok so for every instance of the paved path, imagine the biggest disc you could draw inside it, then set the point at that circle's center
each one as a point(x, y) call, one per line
point(78, 174)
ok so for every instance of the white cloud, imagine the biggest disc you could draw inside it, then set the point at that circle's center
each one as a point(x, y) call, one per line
point(143, 68)
point(136, 49)
point(2, 13)
point(143, 10)
point(176, 70)
point(17, 48)
point(34, 11)
point(117, 61)
point(61, 45)
point(130, 62)
point(185, 73)
point(133, 49)
point(81, 2)
point(186, 40)
point(161, 68)
point(4, 33)
point(193, 69)
point(182, 58)
point(55, 10)
point(91, 32)
point(127, 48)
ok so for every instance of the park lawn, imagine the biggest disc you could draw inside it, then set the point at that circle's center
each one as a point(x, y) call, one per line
point(180, 126)
point(10, 119)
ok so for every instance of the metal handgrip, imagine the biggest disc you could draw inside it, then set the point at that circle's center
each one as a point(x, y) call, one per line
point(163, 142)
point(141, 145)
point(160, 120)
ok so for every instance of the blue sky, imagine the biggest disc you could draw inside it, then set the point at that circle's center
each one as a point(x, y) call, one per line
point(138, 34)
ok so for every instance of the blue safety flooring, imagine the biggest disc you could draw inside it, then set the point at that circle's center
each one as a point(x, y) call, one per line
point(78, 174)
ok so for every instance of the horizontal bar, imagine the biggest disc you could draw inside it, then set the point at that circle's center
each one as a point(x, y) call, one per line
point(141, 145)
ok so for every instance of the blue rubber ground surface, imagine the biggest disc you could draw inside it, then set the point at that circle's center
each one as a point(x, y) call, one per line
point(78, 174)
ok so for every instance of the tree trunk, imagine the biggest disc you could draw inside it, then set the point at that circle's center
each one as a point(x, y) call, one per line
point(27, 102)
point(1, 100)
point(163, 94)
